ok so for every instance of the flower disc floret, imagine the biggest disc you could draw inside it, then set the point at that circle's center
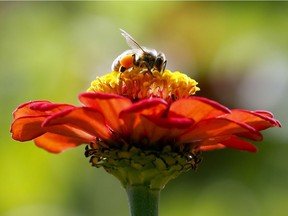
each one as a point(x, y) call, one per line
point(137, 85)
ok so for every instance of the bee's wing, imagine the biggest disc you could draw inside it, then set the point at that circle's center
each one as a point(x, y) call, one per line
point(131, 41)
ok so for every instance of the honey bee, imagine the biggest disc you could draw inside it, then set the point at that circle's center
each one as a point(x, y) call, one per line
point(139, 57)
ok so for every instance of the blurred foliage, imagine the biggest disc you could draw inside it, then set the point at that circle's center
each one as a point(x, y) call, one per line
point(237, 51)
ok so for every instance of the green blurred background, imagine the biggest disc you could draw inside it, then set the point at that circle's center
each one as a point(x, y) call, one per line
point(237, 52)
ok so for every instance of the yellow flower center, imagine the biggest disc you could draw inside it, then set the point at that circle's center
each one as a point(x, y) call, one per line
point(135, 85)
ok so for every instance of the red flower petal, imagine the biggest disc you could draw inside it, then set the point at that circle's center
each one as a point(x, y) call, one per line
point(84, 118)
point(265, 113)
point(35, 108)
point(211, 147)
point(55, 143)
point(27, 128)
point(132, 115)
point(171, 123)
point(270, 116)
point(228, 141)
point(24, 109)
point(239, 144)
point(258, 120)
point(69, 131)
point(197, 121)
point(197, 108)
point(153, 107)
point(110, 105)
point(160, 129)
point(30, 116)
point(214, 127)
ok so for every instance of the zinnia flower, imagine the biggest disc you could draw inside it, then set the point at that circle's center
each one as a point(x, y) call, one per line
point(143, 128)
point(132, 111)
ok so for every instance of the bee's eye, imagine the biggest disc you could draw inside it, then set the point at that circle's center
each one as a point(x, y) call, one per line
point(127, 61)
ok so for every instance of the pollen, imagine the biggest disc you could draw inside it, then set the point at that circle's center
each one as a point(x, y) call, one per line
point(127, 61)
point(137, 85)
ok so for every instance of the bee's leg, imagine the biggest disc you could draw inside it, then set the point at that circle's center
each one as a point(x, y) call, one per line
point(147, 69)
point(164, 66)
point(134, 60)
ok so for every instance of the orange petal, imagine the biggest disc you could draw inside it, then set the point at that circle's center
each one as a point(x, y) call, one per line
point(110, 105)
point(171, 122)
point(30, 127)
point(131, 116)
point(211, 147)
point(55, 143)
point(35, 108)
point(155, 129)
point(83, 118)
point(197, 108)
point(30, 116)
point(27, 127)
point(270, 116)
point(149, 107)
point(212, 140)
point(239, 144)
point(265, 113)
point(69, 131)
point(209, 128)
point(232, 142)
point(24, 109)
point(258, 120)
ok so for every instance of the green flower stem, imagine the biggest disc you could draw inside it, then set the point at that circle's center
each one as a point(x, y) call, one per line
point(143, 201)
point(143, 173)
